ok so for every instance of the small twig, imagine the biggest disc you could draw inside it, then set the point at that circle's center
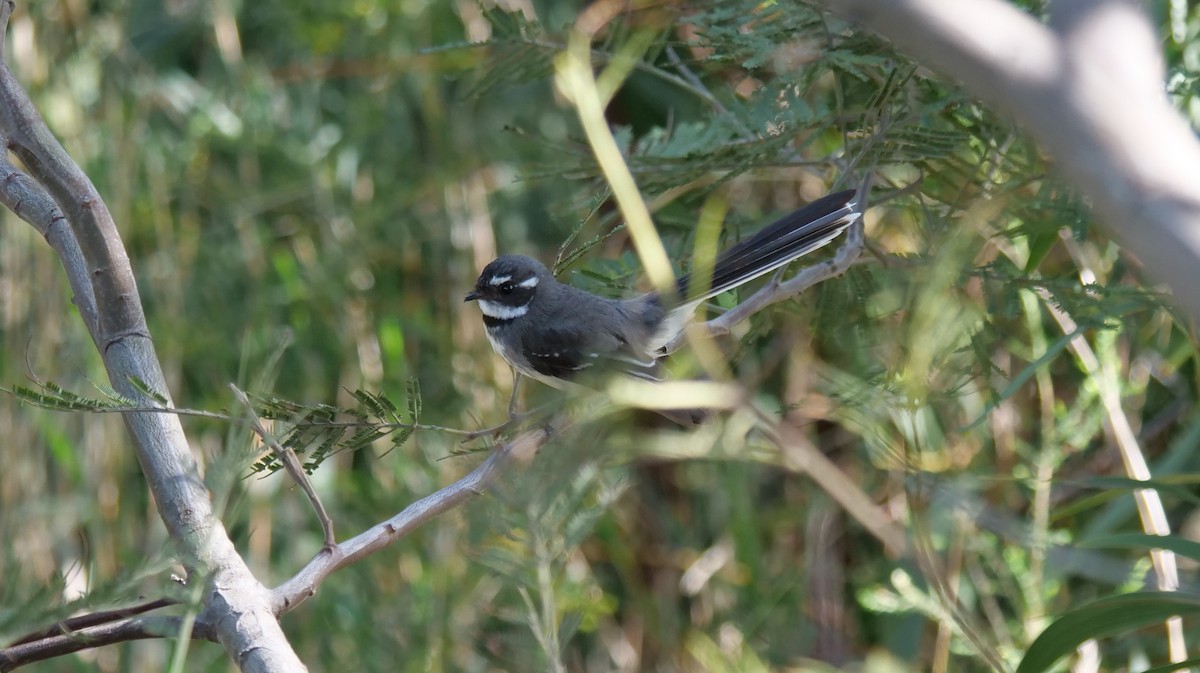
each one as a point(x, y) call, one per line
point(701, 90)
point(801, 456)
point(493, 431)
point(1149, 504)
point(290, 463)
point(75, 624)
point(514, 418)
point(139, 628)
point(304, 583)
point(201, 413)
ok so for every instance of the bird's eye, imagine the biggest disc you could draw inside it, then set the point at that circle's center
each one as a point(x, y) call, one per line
point(506, 288)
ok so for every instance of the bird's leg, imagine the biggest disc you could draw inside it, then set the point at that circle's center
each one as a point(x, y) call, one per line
point(496, 430)
point(512, 401)
point(513, 415)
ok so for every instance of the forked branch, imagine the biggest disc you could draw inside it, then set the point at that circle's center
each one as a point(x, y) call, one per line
point(303, 584)
point(98, 268)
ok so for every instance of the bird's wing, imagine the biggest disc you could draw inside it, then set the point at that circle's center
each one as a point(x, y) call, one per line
point(566, 353)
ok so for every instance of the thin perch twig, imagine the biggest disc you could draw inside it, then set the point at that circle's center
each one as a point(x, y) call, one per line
point(290, 463)
point(304, 583)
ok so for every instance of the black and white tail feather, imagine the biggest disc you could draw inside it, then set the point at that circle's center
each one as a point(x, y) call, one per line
point(775, 246)
point(551, 331)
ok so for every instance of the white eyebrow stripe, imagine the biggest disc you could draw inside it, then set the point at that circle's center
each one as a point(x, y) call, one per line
point(501, 312)
point(529, 282)
point(499, 280)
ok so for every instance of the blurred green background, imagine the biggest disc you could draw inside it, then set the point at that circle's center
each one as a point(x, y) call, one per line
point(307, 190)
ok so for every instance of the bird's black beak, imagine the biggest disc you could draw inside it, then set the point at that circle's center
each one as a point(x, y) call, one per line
point(472, 295)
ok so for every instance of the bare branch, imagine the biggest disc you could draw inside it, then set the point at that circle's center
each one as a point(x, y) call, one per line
point(139, 628)
point(304, 583)
point(75, 624)
point(106, 628)
point(112, 277)
point(1116, 424)
point(800, 455)
point(1101, 111)
point(290, 463)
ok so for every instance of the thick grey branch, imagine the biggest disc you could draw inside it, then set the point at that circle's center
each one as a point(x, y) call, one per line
point(234, 600)
point(1100, 110)
point(120, 308)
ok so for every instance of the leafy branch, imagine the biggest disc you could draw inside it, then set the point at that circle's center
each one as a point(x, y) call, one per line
point(315, 430)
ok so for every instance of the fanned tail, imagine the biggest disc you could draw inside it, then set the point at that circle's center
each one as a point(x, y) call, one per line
point(790, 238)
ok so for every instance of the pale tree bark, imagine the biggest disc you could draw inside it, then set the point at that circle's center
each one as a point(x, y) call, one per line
point(237, 608)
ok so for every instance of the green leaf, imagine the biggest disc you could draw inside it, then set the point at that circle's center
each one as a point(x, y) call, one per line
point(1024, 375)
point(401, 436)
point(334, 436)
point(1115, 487)
point(118, 400)
point(1177, 666)
point(146, 390)
point(1040, 245)
point(379, 406)
point(1176, 485)
point(1105, 617)
point(1175, 543)
point(362, 438)
point(54, 397)
point(412, 390)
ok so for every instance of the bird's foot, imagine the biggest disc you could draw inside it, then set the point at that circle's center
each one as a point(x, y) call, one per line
point(514, 418)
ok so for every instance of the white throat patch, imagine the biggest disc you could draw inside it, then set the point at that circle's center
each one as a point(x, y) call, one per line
point(501, 312)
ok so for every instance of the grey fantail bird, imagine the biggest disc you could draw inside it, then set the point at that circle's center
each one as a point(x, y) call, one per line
point(552, 332)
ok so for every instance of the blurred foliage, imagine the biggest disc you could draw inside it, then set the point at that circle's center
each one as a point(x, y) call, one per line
point(307, 189)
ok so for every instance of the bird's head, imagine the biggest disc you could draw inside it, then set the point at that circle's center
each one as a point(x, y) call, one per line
point(508, 285)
